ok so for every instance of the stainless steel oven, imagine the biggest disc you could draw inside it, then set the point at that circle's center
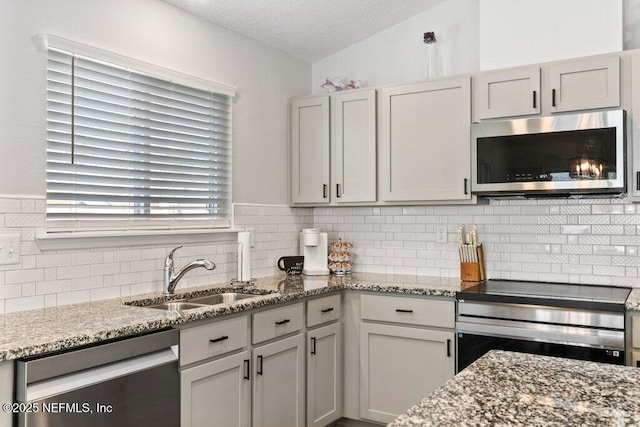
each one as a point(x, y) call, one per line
point(573, 321)
point(561, 155)
point(127, 383)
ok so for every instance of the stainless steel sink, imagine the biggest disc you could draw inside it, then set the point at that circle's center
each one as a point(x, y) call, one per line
point(176, 305)
point(220, 298)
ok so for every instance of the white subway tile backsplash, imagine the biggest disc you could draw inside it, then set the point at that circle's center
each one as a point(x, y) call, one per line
point(557, 240)
point(24, 276)
point(25, 303)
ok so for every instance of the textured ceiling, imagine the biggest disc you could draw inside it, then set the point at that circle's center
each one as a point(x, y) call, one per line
point(307, 29)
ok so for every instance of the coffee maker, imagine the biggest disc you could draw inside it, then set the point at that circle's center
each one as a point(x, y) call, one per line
point(314, 248)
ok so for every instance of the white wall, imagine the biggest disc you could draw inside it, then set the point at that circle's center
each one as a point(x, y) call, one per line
point(519, 32)
point(398, 54)
point(631, 16)
point(154, 32)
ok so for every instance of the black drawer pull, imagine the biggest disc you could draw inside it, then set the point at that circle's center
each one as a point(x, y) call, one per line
point(448, 348)
point(324, 191)
point(259, 370)
point(246, 369)
point(338, 194)
point(465, 186)
point(553, 97)
point(313, 345)
point(534, 99)
point(638, 181)
point(222, 338)
point(399, 310)
point(326, 310)
point(282, 322)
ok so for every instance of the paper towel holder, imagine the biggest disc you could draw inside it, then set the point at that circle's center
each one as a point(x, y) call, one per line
point(240, 280)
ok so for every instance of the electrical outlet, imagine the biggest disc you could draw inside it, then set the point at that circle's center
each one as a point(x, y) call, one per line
point(252, 237)
point(9, 249)
point(441, 234)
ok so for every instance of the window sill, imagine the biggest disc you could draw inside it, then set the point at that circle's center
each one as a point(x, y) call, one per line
point(111, 239)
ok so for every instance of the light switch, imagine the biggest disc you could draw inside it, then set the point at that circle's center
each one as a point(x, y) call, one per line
point(9, 249)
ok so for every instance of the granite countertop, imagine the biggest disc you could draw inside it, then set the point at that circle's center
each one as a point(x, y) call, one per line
point(36, 332)
point(516, 389)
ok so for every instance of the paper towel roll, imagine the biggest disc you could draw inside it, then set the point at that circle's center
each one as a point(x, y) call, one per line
point(244, 256)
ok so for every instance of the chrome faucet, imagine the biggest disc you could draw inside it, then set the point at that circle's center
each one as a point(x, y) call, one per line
point(172, 278)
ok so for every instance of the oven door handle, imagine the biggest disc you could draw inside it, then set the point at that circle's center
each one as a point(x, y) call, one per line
point(596, 338)
point(86, 378)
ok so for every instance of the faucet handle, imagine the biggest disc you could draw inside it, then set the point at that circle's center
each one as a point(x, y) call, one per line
point(169, 259)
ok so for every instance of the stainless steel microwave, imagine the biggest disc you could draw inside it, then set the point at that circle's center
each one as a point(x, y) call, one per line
point(567, 154)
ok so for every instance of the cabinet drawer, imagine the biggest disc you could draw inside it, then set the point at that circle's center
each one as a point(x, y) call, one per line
point(323, 310)
point(277, 322)
point(413, 311)
point(635, 359)
point(213, 339)
point(635, 331)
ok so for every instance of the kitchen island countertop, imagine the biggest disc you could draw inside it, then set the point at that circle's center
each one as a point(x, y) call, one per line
point(516, 389)
point(36, 332)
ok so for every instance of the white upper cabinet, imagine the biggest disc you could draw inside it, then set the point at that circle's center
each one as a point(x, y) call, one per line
point(509, 93)
point(425, 141)
point(354, 146)
point(309, 165)
point(584, 84)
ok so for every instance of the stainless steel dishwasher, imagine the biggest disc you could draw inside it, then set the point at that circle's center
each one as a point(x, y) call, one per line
point(132, 382)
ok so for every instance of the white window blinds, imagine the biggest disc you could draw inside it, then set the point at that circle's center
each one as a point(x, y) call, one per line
point(128, 150)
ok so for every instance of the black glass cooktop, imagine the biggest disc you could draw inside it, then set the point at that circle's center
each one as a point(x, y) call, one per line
point(497, 290)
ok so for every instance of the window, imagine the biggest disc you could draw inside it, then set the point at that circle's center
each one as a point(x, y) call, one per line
point(129, 150)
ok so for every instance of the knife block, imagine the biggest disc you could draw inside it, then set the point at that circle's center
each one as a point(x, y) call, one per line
point(473, 271)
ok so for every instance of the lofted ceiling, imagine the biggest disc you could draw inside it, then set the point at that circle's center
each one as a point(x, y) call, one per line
point(306, 29)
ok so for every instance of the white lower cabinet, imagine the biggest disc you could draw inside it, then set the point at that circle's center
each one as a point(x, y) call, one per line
point(217, 393)
point(400, 366)
point(278, 383)
point(324, 375)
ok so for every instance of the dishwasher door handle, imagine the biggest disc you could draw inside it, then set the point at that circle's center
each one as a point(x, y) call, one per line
point(74, 381)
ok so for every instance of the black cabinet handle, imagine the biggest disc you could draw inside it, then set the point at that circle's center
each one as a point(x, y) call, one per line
point(324, 191)
point(222, 338)
point(553, 97)
point(638, 364)
point(338, 194)
point(448, 348)
point(326, 310)
point(465, 186)
point(399, 310)
point(282, 322)
point(638, 181)
point(259, 370)
point(313, 345)
point(534, 100)
point(246, 369)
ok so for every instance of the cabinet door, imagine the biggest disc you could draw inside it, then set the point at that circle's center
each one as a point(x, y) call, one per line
point(354, 152)
point(400, 366)
point(216, 393)
point(584, 84)
point(278, 383)
point(426, 144)
point(633, 130)
point(509, 93)
point(309, 162)
point(324, 375)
